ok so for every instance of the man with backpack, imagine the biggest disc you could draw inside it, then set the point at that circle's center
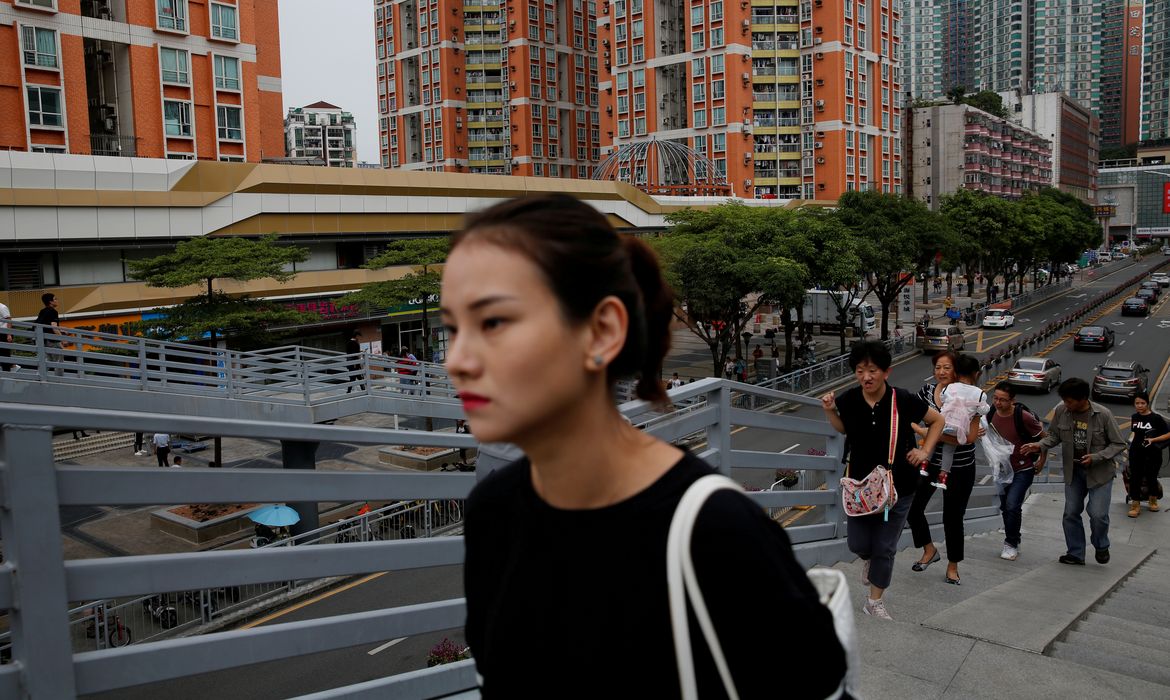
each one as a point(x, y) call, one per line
point(1019, 426)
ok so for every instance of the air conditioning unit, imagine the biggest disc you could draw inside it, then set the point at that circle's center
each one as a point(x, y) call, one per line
point(820, 30)
point(820, 185)
point(820, 134)
point(820, 82)
point(817, 40)
point(806, 102)
point(818, 144)
point(820, 104)
point(820, 56)
point(820, 160)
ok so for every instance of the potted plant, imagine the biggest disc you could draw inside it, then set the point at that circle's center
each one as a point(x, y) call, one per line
point(787, 477)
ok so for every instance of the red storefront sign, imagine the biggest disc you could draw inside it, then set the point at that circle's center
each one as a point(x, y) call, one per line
point(1166, 197)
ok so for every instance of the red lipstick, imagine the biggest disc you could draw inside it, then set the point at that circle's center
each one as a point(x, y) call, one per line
point(472, 402)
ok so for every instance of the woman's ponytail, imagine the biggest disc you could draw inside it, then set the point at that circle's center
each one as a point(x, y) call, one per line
point(656, 302)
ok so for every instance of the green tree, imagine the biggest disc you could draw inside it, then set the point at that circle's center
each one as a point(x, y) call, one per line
point(989, 101)
point(957, 93)
point(724, 264)
point(903, 238)
point(836, 262)
point(992, 221)
point(215, 313)
point(421, 285)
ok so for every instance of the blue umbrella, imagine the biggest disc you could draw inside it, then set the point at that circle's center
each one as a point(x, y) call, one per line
point(274, 516)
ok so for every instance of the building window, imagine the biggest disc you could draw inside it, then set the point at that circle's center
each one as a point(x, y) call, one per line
point(717, 36)
point(43, 4)
point(716, 11)
point(227, 73)
point(177, 118)
point(718, 116)
point(174, 66)
point(231, 122)
point(697, 66)
point(697, 15)
point(44, 106)
point(172, 14)
point(223, 22)
point(717, 89)
point(40, 47)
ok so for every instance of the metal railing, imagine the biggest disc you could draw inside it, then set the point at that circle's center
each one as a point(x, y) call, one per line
point(289, 375)
point(36, 584)
point(113, 145)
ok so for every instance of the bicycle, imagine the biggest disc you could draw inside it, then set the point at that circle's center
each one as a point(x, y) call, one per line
point(119, 634)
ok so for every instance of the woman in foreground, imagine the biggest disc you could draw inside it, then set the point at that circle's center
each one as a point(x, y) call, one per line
point(546, 306)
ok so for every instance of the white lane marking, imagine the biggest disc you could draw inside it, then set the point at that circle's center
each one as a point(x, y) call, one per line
point(1043, 320)
point(1132, 332)
point(1139, 326)
point(1112, 351)
point(1122, 343)
point(385, 646)
point(790, 447)
point(1027, 329)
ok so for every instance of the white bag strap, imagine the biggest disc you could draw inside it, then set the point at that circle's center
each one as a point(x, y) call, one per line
point(681, 581)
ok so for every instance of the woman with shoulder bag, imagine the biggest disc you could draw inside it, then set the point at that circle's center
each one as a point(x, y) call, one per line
point(1150, 435)
point(566, 549)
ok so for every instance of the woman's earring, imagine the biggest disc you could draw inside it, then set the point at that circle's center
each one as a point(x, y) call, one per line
point(598, 360)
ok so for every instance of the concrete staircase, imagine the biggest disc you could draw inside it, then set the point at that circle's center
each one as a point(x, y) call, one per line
point(1030, 628)
point(1129, 632)
point(66, 448)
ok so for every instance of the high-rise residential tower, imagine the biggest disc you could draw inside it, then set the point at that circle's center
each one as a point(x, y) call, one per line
point(321, 131)
point(937, 51)
point(153, 78)
point(1121, 72)
point(1155, 98)
point(787, 98)
point(488, 86)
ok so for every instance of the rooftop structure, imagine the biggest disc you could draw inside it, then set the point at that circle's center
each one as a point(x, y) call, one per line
point(1074, 131)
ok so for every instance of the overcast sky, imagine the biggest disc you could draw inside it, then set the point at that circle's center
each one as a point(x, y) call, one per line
point(327, 53)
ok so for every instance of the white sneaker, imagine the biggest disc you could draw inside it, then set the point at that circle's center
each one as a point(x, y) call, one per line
point(876, 608)
point(141, 453)
point(1010, 553)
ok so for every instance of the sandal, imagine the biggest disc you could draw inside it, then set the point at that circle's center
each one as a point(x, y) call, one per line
point(922, 565)
point(953, 581)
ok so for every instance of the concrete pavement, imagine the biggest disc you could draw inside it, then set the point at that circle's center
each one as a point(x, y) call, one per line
point(1024, 628)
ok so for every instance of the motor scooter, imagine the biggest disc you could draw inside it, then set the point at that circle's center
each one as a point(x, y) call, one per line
point(159, 607)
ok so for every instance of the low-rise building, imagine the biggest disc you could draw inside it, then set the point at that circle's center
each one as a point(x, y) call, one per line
point(323, 131)
point(958, 146)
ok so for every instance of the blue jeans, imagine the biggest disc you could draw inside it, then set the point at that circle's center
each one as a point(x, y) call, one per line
point(1011, 503)
point(1076, 492)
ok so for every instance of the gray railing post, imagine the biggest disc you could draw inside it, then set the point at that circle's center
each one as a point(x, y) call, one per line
point(835, 448)
point(42, 356)
point(205, 612)
point(142, 368)
point(428, 526)
point(719, 435)
point(229, 366)
point(30, 520)
point(366, 376)
point(305, 380)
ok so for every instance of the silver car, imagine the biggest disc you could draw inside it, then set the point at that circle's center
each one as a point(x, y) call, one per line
point(1035, 373)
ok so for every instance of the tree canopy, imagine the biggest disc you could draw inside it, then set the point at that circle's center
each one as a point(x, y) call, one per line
point(421, 285)
point(214, 313)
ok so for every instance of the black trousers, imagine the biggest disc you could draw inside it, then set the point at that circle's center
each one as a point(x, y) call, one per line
point(955, 498)
point(1144, 466)
point(161, 454)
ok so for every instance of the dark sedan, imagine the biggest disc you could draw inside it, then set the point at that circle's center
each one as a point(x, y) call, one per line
point(1093, 338)
point(1135, 306)
point(1120, 379)
point(1150, 295)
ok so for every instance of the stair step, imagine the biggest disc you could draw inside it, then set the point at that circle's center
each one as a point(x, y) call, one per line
point(1097, 658)
point(1126, 631)
point(1136, 609)
point(1117, 647)
point(95, 443)
point(1144, 590)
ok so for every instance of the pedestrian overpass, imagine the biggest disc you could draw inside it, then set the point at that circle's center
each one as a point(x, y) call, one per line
point(290, 394)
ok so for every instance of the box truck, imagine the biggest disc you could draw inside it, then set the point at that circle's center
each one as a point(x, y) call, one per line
point(820, 309)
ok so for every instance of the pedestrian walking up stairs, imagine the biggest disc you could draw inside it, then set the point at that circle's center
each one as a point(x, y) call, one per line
point(1030, 628)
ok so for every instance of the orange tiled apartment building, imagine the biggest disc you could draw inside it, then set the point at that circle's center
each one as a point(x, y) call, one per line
point(488, 86)
point(788, 98)
point(149, 78)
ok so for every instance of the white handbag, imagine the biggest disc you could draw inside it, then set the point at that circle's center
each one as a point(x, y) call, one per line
point(683, 585)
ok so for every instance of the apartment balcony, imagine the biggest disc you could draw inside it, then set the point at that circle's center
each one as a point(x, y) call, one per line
point(113, 145)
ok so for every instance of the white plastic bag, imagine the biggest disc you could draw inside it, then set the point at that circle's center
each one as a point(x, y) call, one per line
point(999, 454)
point(833, 590)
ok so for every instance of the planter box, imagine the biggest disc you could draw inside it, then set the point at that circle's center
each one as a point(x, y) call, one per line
point(423, 460)
point(199, 532)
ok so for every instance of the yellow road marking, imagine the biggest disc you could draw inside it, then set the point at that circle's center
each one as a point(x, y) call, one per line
point(999, 340)
point(315, 599)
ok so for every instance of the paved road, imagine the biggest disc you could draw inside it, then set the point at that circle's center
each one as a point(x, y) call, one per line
point(1144, 340)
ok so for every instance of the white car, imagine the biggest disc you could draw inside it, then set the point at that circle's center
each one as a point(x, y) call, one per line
point(998, 318)
point(1161, 278)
